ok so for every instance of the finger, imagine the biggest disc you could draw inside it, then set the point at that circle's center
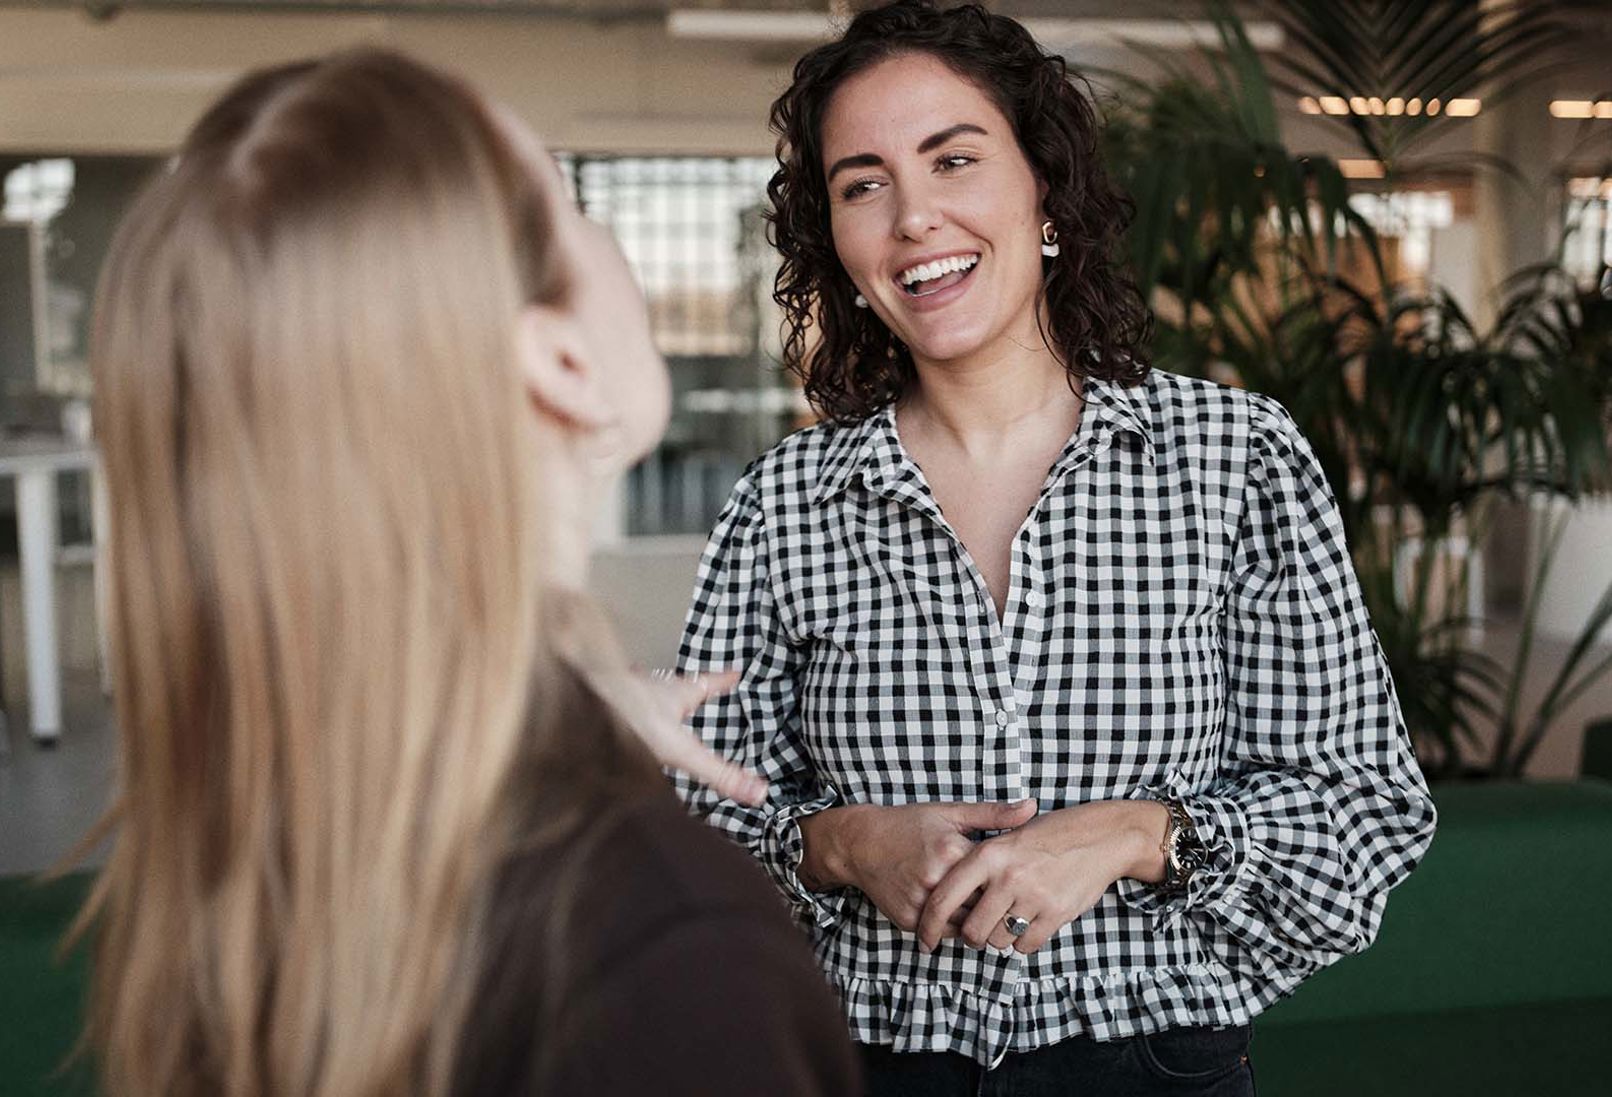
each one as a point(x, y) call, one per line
point(947, 898)
point(984, 925)
point(684, 752)
point(693, 690)
point(992, 815)
point(1039, 933)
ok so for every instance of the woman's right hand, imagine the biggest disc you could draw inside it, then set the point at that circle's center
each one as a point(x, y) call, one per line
point(896, 855)
point(656, 706)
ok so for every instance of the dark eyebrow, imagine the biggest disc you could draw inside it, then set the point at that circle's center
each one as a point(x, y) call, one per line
point(860, 160)
point(933, 141)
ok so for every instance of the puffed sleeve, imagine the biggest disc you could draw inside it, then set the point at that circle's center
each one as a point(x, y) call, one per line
point(1321, 807)
point(733, 623)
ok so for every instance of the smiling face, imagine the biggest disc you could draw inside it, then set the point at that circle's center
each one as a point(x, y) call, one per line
point(935, 210)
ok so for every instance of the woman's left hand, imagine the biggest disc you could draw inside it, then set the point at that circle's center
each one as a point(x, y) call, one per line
point(1049, 871)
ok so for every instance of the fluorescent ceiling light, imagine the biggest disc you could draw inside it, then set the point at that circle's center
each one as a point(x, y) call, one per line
point(1054, 34)
point(1581, 108)
point(1392, 108)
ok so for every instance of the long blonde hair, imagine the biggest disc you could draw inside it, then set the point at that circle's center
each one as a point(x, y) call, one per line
point(327, 555)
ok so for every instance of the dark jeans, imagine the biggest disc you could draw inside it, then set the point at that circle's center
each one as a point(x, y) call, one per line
point(1179, 1062)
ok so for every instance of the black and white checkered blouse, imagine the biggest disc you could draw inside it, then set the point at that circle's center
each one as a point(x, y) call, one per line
point(1183, 619)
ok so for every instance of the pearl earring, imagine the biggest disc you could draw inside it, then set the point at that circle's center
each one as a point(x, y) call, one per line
point(1049, 240)
point(860, 301)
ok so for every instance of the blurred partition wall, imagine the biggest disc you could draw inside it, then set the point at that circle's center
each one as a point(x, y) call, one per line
point(691, 227)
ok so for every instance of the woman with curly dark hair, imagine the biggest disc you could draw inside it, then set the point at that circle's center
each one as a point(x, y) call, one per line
point(1081, 748)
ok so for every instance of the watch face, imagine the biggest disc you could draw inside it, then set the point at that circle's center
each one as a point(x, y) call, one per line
point(1189, 851)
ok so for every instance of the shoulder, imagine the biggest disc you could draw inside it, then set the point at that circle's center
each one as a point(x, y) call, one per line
point(658, 864)
point(642, 866)
point(1195, 411)
point(780, 491)
point(683, 974)
point(800, 460)
point(667, 956)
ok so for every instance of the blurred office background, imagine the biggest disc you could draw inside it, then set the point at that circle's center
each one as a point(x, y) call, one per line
point(657, 109)
point(1394, 216)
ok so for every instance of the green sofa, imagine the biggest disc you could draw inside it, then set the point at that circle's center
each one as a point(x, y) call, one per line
point(1492, 974)
point(41, 995)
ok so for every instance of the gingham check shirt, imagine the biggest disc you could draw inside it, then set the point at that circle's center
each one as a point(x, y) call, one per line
point(1183, 620)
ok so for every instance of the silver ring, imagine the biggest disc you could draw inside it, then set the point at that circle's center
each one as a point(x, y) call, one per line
point(661, 674)
point(1016, 925)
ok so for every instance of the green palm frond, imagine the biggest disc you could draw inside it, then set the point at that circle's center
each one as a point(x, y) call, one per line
point(1419, 415)
point(1212, 181)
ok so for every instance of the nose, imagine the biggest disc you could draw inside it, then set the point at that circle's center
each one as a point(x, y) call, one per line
point(918, 213)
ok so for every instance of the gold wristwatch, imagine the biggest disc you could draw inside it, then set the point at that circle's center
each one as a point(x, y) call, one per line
point(1184, 852)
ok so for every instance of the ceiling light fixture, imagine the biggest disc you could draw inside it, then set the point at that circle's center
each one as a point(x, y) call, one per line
point(1397, 106)
point(1581, 108)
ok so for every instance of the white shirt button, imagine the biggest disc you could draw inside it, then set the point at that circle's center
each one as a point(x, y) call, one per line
point(1033, 600)
point(1001, 718)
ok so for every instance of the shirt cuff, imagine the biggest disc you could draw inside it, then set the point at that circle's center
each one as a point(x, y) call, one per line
point(783, 846)
point(1222, 826)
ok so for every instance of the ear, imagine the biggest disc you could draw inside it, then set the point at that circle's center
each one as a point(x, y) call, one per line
point(561, 376)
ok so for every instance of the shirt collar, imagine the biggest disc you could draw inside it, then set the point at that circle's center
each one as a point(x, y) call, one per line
point(869, 447)
point(1122, 409)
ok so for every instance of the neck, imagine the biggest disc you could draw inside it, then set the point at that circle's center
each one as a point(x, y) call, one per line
point(980, 405)
point(573, 497)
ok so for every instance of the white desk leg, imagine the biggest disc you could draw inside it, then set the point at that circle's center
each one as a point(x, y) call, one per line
point(100, 520)
point(36, 534)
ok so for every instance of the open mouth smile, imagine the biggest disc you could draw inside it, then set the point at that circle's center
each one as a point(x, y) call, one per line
point(926, 279)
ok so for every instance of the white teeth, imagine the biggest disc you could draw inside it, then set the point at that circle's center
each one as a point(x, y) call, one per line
point(926, 272)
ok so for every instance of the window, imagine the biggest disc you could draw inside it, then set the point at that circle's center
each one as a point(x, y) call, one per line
point(1412, 219)
point(61, 212)
point(1587, 242)
point(690, 226)
point(692, 229)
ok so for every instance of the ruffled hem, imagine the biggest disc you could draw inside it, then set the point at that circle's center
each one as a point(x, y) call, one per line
point(937, 1017)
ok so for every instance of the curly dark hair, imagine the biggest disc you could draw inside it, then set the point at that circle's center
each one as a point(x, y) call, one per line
point(1098, 321)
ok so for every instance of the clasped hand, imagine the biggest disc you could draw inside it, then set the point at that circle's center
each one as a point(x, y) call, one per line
point(1049, 871)
point(920, 864)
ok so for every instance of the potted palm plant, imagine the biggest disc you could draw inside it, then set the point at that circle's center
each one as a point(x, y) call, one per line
point(1423, 420)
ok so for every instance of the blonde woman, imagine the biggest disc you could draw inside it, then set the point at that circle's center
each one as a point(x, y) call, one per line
point(360, 368)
